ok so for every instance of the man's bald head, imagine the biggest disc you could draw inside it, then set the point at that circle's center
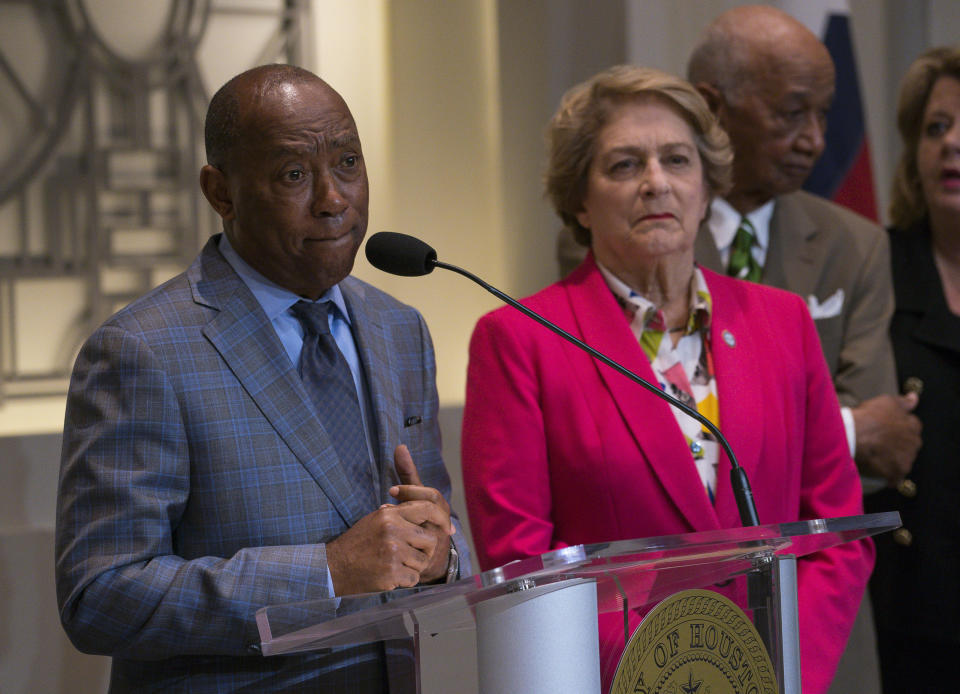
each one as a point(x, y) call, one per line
point(223, 128)
point(770, 82)
point(744, 39)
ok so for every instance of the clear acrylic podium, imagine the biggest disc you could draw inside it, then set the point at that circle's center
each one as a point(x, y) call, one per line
point(531, 625)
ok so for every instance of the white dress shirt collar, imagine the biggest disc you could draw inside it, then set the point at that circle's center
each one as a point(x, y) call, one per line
point(725, 220)
point(274, 299)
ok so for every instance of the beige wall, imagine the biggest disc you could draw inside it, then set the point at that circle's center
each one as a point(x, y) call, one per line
point(469, 86)
point(440, 181)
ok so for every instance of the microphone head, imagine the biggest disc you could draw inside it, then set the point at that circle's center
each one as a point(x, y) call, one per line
point(400, 254)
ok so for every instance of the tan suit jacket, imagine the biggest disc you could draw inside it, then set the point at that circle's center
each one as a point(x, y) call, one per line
point(839, 262)
point(817, 249)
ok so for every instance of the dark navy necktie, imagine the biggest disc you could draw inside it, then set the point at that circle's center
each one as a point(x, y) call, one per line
point(329, 382)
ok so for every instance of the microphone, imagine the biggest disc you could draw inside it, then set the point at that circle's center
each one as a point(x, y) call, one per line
point(400, 254)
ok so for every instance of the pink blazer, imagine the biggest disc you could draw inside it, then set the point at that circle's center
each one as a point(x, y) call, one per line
point(559, 449)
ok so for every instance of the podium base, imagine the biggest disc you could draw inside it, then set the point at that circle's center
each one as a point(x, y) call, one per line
point(540, 646)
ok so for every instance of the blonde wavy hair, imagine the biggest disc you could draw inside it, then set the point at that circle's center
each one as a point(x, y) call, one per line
point(907, 204)
point(586, 108)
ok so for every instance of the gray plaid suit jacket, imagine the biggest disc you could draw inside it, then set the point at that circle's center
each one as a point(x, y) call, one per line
point(197, 485)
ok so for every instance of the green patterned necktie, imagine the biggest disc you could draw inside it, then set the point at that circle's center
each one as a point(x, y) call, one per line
point(742, 263)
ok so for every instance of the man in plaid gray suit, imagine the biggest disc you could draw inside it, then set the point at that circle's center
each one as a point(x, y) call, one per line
point(202, 475)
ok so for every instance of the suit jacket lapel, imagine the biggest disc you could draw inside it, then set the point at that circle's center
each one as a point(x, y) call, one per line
point(739, 392)
point(793, 255)
point(705, 250)
point(380, 369)
point(249, 345)
point(923, 294)
point(651, 420)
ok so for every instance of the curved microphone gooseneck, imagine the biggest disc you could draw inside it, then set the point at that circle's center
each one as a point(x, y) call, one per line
point(400, 254)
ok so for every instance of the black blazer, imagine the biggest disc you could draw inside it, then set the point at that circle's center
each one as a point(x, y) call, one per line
point(915, 586)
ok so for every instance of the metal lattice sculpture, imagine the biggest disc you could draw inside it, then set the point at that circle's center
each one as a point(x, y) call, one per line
point(99, 156)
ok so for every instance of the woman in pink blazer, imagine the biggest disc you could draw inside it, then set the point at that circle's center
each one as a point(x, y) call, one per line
point(559, 449)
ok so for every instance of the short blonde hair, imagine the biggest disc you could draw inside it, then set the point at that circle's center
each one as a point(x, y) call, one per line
point(907, 204)
point(585, 110)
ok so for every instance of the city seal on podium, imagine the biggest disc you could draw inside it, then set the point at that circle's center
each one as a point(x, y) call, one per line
point(695, 642)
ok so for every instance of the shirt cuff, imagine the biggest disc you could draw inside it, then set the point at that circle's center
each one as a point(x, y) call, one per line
point(330, 583)
point(847, 414)
point(453, 564)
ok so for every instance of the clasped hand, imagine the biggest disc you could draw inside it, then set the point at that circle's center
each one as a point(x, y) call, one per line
point(888, 436)
point(398, 545)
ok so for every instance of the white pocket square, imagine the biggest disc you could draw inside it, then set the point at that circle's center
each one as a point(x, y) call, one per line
point(829, 308)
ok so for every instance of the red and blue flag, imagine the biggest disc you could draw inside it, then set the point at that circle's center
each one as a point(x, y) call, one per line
point(844, 172)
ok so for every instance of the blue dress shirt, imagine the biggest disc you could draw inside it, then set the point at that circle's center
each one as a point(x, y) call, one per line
point(276, 302)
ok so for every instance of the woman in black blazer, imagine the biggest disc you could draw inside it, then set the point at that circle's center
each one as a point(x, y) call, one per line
point(916, 584)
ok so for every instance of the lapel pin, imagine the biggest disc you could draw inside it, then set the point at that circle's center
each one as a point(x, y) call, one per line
point(729, 338)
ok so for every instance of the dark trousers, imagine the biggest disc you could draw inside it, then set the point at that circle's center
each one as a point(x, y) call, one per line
point(909, 665)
